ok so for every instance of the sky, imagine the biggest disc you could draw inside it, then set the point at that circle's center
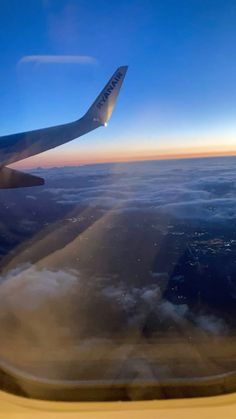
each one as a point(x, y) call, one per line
point(179, 95)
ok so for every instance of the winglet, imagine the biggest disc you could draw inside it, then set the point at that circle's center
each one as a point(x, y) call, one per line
point(102, 108)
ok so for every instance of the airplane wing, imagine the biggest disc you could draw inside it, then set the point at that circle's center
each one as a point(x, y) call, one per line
point(19, 146)
point(10, 178)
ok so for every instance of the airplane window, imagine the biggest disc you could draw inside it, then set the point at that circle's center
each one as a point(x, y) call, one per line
point(118, 249)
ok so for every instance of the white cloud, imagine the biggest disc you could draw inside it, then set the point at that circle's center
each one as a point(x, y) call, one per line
point(211, 324)
point(206, 192)
point(60, 315)
point(31, 197)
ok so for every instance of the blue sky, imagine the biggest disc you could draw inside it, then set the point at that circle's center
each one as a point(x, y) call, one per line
point(180, 89)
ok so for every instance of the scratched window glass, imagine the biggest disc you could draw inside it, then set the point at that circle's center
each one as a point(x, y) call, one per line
point(117, 199)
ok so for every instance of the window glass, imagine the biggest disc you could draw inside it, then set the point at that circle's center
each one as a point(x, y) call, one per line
point(118, 275)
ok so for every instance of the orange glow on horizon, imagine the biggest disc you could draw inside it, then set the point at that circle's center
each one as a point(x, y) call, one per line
point(56, 158)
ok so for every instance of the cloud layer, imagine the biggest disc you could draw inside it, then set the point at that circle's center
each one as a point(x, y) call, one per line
point(61, 316)
point(198, 189)
point(90, 295)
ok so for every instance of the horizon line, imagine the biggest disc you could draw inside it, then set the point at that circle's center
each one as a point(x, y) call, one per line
point(180, 156)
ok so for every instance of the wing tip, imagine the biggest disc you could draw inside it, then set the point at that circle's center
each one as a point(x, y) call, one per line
point(102, 108)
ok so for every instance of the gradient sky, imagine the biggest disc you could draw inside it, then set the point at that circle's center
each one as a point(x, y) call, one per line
point(179, 95)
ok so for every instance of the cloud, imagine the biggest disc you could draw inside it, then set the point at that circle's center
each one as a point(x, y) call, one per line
point(50, 300)
point(57, 59)
point(203, 192)
point(31, 197)
point(64, 314)
point(61, 316)
point(214, 210)
point(210, 324)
